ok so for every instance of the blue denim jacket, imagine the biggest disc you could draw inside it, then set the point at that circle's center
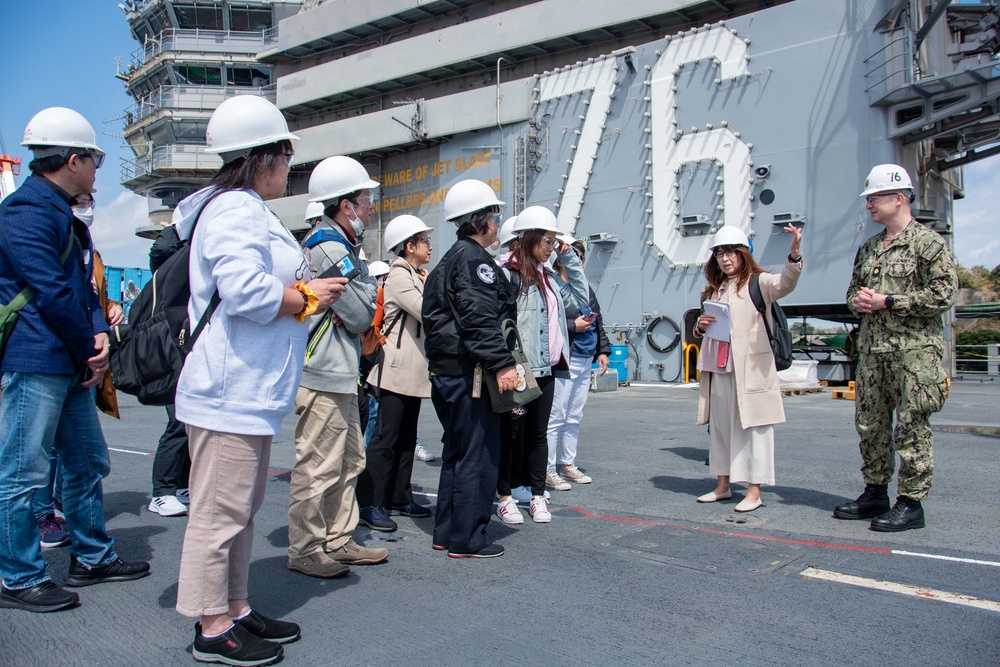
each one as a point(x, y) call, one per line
point(532, 317)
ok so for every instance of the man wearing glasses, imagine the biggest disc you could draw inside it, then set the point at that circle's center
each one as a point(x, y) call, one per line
point(904, 279)
point(329, 446)
point(55, 355)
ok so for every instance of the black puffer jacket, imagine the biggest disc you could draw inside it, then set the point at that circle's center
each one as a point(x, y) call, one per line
point(468, 279)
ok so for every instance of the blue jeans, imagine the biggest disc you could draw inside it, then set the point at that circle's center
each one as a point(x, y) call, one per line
point(37, 412)
point(46, 497)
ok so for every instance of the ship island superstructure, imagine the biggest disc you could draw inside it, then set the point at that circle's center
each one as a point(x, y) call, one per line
point(645, 125)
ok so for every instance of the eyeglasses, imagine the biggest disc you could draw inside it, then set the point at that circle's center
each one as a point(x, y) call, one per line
point(288, 158)
point(549, 240)
point(422, 239)
point(872, 198)
point(731, 250)
point(365, 201)
point(98, 158)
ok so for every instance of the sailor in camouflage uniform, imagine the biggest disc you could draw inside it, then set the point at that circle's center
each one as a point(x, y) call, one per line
point(904, 279)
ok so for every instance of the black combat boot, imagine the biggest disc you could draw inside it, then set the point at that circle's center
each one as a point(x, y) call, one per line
point(906, 514)
point(870, 504)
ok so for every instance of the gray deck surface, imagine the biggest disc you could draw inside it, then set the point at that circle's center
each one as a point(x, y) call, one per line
point(631, 570)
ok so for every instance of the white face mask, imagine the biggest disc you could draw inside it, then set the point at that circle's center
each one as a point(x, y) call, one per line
point(84, 214)
point(356, 224)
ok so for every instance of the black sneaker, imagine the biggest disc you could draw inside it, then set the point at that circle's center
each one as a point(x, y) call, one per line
point(376, 519)
point(413, 510)
point(281, 632)
point(116, 570)
point(492, 551)
point(43, 597)
point(236, 646)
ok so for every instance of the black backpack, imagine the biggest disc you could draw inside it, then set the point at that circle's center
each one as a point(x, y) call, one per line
point(781, 337)
point(148, 353)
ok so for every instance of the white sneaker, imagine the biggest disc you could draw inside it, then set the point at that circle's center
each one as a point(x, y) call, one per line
point(167, 506)
point(420, 453)
point(571, 473)
point(183, 497)
point(555, 482)
point(508, 512)
point(540, 511)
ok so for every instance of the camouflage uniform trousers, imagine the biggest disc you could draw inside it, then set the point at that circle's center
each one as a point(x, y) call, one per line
point(913, 384)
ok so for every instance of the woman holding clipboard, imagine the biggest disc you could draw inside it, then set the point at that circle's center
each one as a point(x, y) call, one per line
point(739, 395)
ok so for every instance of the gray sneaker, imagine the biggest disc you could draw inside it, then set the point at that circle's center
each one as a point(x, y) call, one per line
point(318, 565)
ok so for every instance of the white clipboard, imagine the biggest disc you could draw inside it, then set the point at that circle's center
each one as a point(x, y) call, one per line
point(719, 329)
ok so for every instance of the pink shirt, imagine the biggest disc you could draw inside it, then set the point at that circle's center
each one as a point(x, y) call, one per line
point(554, 315)
point(709, 354)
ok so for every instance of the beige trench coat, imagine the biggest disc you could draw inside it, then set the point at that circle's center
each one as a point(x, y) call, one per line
point(758, 395)
point(404, 368)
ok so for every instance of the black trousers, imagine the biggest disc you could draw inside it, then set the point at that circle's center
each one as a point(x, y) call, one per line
point(470, 462)
point(513, 467)
point(536, 442)
point(385, 481)
point(172, 462)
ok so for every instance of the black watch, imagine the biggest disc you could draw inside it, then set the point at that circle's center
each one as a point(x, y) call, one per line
point(889, 301)
point(794, 260)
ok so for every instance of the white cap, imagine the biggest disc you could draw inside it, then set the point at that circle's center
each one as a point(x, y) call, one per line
point(468, 196)
point(506, 233)
point(377, 268)
point(886, 178)
point(400, 229)
point(337, 176)
point(242, 123)
point(730, 235)
point(535, 217)
point(314, 209)
point(51, 131)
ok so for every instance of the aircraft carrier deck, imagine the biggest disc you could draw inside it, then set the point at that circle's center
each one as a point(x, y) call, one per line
point(631, 571)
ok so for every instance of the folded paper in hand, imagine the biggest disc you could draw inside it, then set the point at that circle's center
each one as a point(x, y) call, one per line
point(719, 329)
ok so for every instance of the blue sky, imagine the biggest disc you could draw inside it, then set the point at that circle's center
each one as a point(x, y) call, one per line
point(62, 53)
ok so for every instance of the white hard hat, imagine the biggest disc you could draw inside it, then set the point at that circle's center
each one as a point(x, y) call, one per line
point(242, 123)
point(338, 176)
point(566, 238)
point(378, 268)
point(535, 217)
point(56, 129)
point(314, 210)
point(506, 233)
point(400, 229)
point(468, 196)
point(730, 235)
point(886, 178)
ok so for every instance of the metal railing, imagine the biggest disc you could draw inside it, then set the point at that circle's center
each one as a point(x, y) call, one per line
point(977, 359)
point(895, 60)
point(192, 97)
point(198, 40)
point(181, 157)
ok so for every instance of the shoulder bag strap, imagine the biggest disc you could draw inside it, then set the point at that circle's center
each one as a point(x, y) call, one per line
point(758, 301)
point(27, 294)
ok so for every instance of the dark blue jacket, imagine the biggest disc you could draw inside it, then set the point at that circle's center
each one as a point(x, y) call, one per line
point(55, 331)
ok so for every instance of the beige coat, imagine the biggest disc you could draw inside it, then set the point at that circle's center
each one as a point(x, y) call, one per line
point(757, 392)
point(405, 364)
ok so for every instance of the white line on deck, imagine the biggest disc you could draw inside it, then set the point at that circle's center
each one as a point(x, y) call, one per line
point(903, 589)
point(130, 451)
point(971, 561)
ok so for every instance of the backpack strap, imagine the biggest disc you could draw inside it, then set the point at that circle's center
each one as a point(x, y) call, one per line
point(216, 299)
point(324, 235)
point(758, 301)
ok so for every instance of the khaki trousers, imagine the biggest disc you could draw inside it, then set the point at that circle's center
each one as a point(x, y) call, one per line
point(329, 456)
point(228, 482)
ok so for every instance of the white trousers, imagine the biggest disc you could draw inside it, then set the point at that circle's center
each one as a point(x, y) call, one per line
point(568, 401)
point(746, 455)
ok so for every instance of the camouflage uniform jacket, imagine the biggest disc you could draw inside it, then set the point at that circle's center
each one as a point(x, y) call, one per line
point(918, 270)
